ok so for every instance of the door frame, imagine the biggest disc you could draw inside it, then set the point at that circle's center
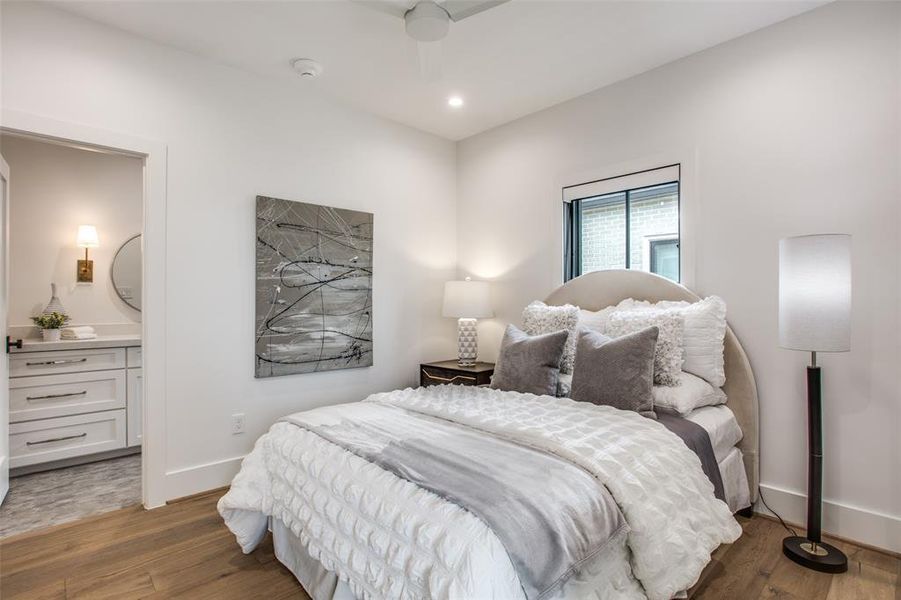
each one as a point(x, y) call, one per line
point(4, 412)
point(153, 296)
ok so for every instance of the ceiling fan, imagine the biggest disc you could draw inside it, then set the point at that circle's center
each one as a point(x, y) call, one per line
point(428, 22)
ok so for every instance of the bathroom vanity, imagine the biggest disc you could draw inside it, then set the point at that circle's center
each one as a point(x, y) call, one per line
point(72, 400)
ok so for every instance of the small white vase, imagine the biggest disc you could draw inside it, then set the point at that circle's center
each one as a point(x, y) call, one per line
point(54, 305)
point(50, 335)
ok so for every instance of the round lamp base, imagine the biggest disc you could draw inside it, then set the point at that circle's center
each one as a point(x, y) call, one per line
point(818, 556)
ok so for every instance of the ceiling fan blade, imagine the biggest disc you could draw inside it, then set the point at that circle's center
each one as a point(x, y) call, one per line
point(461, 9)
point(395, 8)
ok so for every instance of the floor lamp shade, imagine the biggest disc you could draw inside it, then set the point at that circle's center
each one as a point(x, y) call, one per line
point(815, 293)
point(467, 300)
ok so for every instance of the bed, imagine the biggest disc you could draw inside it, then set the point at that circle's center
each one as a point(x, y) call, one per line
point(348, 526)
point(596, 290)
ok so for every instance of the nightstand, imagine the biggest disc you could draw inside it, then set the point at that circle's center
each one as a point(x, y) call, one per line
point(448, 371)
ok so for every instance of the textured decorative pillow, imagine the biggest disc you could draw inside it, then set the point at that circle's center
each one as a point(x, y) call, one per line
point(529, 364)
point(703, 337)
point(691, 393)
point(539, 318)
point(668, 359)
point(616, 372)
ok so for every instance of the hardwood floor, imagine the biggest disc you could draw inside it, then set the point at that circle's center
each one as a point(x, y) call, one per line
point(184, 551)
point(754, 568)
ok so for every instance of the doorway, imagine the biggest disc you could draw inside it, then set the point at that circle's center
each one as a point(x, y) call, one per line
point(74, 392)
point(151, 385)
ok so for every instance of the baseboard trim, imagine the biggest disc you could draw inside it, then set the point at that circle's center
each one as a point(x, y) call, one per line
point(847, 522)
point(197, 479)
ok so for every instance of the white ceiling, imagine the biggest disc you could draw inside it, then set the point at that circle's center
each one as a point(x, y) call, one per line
point(506, 62)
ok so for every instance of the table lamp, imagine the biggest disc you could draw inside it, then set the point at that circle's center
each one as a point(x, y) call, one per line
point(467, 300)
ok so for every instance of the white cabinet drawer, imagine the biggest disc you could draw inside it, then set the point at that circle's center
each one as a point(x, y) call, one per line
point(64, 437)
point(47, 396)
point(65, 361)
point(134, 357)
point(135, 383)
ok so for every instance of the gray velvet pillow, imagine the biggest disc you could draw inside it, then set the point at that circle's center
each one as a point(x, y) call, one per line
point(529, 363)
point(616, 372)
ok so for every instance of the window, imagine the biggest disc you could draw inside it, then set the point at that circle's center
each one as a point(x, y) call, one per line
point(627, 228)
point(664, 258)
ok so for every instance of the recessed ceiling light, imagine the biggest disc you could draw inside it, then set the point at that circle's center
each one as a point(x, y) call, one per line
point(455, 101)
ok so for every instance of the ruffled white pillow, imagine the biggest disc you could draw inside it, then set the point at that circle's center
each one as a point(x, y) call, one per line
point(538, 318)
point(691, 393)
point(668, 355)
point(703, 337)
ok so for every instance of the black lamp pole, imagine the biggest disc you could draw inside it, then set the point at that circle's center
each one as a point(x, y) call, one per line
point(811, 551)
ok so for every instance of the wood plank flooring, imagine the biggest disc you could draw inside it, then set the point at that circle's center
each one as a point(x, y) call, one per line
point(184, 551)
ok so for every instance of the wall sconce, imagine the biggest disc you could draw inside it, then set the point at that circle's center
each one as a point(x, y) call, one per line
point(87, 238)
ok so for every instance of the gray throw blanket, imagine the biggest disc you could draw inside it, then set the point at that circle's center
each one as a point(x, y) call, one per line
point(553, 518)
point(698, 440)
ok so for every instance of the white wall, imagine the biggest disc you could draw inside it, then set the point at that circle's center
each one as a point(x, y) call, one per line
point(56, 189)
point(790, 130)
point(231, 136)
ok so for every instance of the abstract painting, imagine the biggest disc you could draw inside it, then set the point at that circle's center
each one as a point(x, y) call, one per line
point(314, 288)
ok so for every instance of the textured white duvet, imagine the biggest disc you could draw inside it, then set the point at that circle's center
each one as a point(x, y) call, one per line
point(387, 538)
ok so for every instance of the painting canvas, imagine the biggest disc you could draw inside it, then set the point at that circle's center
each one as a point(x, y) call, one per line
point(313, 288)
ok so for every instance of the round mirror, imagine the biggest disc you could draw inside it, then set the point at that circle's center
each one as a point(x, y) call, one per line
point(126, 272)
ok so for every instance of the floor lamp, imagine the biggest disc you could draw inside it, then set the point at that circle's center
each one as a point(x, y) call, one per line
point(815, 316)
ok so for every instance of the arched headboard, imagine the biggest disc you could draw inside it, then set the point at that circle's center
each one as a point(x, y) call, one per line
point(599, 289)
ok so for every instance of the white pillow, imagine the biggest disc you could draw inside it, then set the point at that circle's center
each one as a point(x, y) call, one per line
point(539, 318)
point(703, 337)
point(691, 393)
point(668, 355)
point(595, 320)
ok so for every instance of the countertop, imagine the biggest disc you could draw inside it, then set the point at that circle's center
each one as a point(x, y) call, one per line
point(102, 341)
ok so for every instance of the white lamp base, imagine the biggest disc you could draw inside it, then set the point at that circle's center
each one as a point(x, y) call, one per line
point(467, 342)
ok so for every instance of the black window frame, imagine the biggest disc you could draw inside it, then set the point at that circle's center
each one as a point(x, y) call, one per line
point(572, 219)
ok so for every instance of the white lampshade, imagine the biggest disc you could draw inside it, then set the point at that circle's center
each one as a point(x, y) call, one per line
point(815, 293)
point(87, 237)
point(469, 299)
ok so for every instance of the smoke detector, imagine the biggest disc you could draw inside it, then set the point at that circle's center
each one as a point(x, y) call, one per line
point(307, 68)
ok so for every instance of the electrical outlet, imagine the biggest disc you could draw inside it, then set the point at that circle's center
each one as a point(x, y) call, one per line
point(237, 423)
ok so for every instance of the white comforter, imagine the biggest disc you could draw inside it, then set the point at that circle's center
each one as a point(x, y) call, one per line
point(387, 538)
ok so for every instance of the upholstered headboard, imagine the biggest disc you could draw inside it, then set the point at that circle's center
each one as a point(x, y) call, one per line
point(600, 289)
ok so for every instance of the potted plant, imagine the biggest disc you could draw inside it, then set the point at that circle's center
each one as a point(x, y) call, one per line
point(50, 325)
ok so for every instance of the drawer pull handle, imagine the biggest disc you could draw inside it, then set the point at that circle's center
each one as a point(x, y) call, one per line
point(447, 379)
point(67, 361)
point(59, 439)
point(54, 396)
